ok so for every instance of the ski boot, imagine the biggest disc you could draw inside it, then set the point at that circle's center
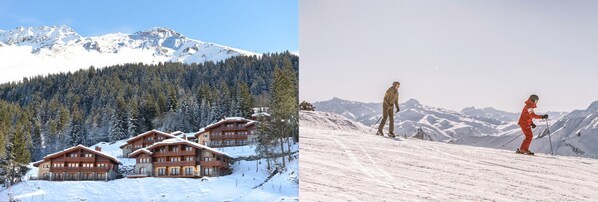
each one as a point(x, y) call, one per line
point(380, 133)
point(391, 134)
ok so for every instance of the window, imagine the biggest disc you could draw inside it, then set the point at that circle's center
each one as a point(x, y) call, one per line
point(46, 165)
point(141, 170)
point(242, 133)
point(189, 159)
point(175, 149)
point(207, 159)
point(101, 175)
point(73, 155)
point(174, 159)
point(205, 136)
point(242, 142)
point(161, 171)
point(137, 146)
point(189, 148)
point(161, 160)
point(88, 165)
point(207, 171)
point(58, 165)
point(88, 155)
point(102, 165)
point(174, 171)
point(73, 165)
point(188, 171)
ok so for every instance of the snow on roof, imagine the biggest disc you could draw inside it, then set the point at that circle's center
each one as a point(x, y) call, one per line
point(141, 150)
point(153, 130)
point(226, 119)
point(180, 140)
point(178, 132)
point(85, 148)
point(38, 162)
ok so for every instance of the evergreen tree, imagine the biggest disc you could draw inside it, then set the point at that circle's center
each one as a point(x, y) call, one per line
point(77, 134)
point(120, 125)
point(245, 100)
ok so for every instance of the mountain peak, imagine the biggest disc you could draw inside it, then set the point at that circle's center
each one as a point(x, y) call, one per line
point(413, 103)
point(593, 106)
point(37, 37)
point(160, 32)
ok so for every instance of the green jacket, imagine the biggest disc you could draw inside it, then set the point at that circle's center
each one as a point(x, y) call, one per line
point(391, 97)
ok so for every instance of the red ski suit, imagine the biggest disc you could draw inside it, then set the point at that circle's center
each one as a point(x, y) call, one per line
point(525, 120)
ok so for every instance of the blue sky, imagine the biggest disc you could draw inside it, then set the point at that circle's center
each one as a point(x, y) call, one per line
point(257, 25)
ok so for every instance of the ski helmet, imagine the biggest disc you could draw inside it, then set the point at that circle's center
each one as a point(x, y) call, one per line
point(534, 97)
point(396, 83)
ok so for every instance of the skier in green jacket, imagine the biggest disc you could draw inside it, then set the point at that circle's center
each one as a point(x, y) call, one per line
point(391, 98)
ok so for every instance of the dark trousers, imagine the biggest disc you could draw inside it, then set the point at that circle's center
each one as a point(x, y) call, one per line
point(387, 114)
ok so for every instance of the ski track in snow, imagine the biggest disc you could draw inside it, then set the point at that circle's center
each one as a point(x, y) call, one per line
point(339, 165)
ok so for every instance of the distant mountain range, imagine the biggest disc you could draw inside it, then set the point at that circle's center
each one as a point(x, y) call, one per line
point(52, 49)
point(487, 127)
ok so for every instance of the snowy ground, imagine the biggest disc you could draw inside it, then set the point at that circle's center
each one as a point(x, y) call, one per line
point(340, 161)
point(242, 185)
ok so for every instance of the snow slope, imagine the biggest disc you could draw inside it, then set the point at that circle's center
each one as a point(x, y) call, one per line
point(340, 164)
point(248, 182)
point(29, 51)
point(486, 127)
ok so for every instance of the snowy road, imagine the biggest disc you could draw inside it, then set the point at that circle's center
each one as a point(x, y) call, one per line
point(340, 163)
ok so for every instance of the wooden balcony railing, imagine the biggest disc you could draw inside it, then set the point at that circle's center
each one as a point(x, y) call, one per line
point(175, 163)
point(77, 169)
point(174, 153)
point(80, 159)
point(236, 136)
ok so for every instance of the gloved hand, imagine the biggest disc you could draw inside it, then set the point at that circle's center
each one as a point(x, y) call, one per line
point(533, 125)
point(398, 110)
point(545, 116)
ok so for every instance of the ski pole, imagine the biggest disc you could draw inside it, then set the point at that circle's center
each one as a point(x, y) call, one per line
point(516, 138)
point(511, 140)
point(549, 139)
point(378, 121)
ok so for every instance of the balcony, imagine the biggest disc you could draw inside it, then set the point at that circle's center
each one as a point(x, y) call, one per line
point(175, 163)
point(79, 169)
point(236, 136)
point(149, 141)
point(174, 153)
point(80, 159)
point(234, 128)
point(213, 164)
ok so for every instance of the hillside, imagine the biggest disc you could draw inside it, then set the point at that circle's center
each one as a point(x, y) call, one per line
point(245, 184)
point(341, 163)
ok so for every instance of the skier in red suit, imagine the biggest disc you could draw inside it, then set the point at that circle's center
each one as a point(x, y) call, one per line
point(526, 123)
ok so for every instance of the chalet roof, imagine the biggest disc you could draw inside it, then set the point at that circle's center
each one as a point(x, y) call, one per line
point(248, 122)
point(177, 140)
point(143, 134)
point(144, 150)
point(178, 132)
point(49, 156)
point(36, 164)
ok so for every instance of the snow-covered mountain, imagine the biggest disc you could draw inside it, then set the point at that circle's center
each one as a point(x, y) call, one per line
point(440, 124)
point(29, 51)
point(341, 163)
point(491, 113)
point(485, 127)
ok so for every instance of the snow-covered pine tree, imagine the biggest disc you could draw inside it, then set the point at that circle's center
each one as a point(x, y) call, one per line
point(120, 121)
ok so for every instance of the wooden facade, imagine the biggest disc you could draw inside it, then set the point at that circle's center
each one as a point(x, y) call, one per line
point(143, 140)
point(228, 132)
point(179, 158)
point(78, 163)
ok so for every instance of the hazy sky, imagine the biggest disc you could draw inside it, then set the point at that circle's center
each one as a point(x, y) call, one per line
point(451, 54)
point(257, 25)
